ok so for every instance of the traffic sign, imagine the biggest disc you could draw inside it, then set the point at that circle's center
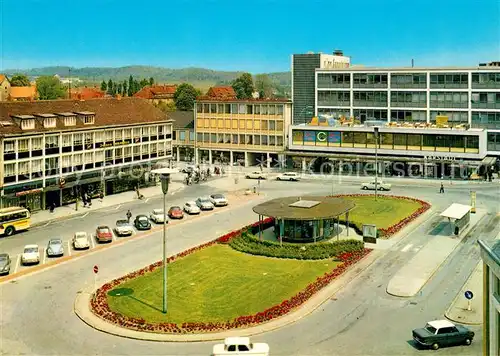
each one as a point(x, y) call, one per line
point(96, 269)
point(469, 295)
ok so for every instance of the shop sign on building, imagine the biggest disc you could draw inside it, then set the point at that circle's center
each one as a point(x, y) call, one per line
point(31, 191)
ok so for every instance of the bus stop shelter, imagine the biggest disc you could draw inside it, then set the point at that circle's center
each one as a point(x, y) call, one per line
point(458, 215)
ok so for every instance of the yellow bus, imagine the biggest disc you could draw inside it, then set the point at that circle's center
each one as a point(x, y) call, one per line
point(14, 219)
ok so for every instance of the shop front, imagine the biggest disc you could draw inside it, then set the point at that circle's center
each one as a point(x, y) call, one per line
point(29, 195)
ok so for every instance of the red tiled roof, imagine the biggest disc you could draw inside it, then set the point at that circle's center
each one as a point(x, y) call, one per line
point(86, 93)
point(221, 92)
point(2, 78)
point(156, 92)
point(108, 112)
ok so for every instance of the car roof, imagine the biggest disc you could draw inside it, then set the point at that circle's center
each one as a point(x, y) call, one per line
point(141, 216)
point(55, 239)
point(4, 255)
point(122, 221)
point(80, 233)
point(103, 227)
point(191, 202)
point(438, 324)
point(175, 207)
point(237, 341)
point(203, 198)
point(31, 246)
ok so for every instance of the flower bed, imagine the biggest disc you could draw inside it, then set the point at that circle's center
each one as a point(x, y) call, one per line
point(393, 229)
point(100, 307)
point(248, 243)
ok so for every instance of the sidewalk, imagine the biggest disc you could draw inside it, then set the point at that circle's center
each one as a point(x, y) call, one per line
point(412, 277)
point(82, 310)
point(458, 310)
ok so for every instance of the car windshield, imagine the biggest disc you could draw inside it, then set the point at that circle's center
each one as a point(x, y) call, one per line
point(3, 257)
point(80, 235)
point(175, 208)
point(103, 230)
point(205, 200)
point(55, 242)
point(142, 219)
point(122, 223)
point(431, 329)
point(30, 250)
point(218, 196)
point(158, 211)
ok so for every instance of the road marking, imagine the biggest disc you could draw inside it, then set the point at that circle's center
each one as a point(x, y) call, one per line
point(407, 248)
point(44, 256)
point(118, 206)
point(84, 215)
point(69, 248)
point(146, 200)
point(18, 263)
point(114, 236)
point(92, 240)
point(47, 224)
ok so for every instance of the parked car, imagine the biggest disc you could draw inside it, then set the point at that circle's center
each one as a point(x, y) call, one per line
point(123, 228)
point(290, 176)
point(55, 247)
point(380, 185)
point(191, 208)
point(103, 234)
point(256, 175)
point(175, 212)
point(4, 263)
point(240, 346)
point(31, 255)
point(204, 203)
point(80, 240)
point(157, 216)
point(439, 333)
point(218, 200)
point(141, 222)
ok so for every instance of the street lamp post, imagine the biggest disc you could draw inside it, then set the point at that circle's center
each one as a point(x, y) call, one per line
point(375, 130)
point(164, 174)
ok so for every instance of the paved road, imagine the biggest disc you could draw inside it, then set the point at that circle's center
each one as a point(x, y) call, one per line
point(37, 315)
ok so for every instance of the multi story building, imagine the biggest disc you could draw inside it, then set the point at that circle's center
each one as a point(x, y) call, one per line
point(247, 131)
point(436, 119)
point(157, 93)
point(491, 298)
point(52, 151)
point(183, 140)
point(4, 88)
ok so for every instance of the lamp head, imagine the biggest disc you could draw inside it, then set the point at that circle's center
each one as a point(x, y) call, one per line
point(164, 174)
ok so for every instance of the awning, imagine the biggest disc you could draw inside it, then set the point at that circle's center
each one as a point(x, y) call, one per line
point(456, 211)
point(489, 161)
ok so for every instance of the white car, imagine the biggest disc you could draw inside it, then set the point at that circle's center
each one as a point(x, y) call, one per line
point(218, 200)
point(290, 176)
point(256, 175)
point(204, 203)
point(123, 228)
point(31, 254)
point(80, 240)
point(240, 346)
point(191, 208)
point(157, 216)
point(380, 186)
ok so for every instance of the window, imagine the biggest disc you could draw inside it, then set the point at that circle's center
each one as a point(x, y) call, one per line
point(28, 124)
point(67, 141)
point(22, 145)
point(88, 119)
point(127, 133)
point(99, 156)
point(49, 122)
point(88, 138)
point(9, 169)
point(9, 147)
point(109, 135)
point(136, 132)
point(36, 166)
point(88, 158)
point(153, 130)
point(231, 348)
point(127, 152)
point(77, 139)
point(145, 131)
point(51, 141)
point(99, 136)
point(23, 168)
point(36, 143)
point(118, 152)
point(66, 161)
point(145, 149)
point(108, 154)
point(243, 348)
point(118, 135)
point(70, 121)
point(191, 136)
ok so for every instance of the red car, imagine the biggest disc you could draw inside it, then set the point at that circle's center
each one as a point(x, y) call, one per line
point(103, 234)
point(175, 212)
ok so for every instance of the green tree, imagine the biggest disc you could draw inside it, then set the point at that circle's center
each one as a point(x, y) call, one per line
point(143, 83)
point(110, 87)
point(243, 86)
point(151, 81)
point(104, 86)
point(130, 85)
point(166, 106)
point(20, 80)
point(264, 86)
point(119, 88)
point(49, 88)
point(184, 97)
point(125, 88)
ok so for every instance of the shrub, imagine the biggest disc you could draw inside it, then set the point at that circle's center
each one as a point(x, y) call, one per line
point(248, 243)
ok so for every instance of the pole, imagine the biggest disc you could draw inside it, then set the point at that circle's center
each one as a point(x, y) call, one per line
point(376, 161)
point(164, 254)
point(95, 282)
point(469, 305)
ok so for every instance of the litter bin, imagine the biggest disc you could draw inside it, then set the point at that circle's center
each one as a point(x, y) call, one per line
point(456, 230)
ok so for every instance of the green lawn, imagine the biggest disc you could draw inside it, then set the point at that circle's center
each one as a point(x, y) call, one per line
point(217, 284)
point(383, 213)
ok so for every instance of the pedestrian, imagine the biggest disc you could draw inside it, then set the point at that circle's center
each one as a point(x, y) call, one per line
point(441, 190)
point(52, 207)
point(129, 215)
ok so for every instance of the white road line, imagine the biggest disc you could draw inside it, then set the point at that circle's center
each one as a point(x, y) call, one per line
point(18, 263)
point(92, 240)
point(47, 224)
point(69, 248)
point(118, 206)
point(407, 248)
point(84, 215)
point(44, 256)
point(114, 236)
point(146, 200)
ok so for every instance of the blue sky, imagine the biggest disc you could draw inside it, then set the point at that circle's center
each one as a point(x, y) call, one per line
point(255, 36)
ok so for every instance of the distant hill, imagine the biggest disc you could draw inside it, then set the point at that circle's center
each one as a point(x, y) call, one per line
point(200, 77)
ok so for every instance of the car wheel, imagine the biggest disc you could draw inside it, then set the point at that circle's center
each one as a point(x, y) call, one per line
point(247, 177)
point(365, 188)
point(468, 342)
point(435, 346)
point(9, 231)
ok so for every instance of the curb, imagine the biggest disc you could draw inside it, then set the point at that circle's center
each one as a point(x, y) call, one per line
point(448, 257)
point(81, 308)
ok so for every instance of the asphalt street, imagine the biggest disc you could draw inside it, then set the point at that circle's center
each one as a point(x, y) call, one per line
point(36, 310)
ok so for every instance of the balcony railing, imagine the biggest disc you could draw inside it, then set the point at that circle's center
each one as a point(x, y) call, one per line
point(408, 85)
point(448, 104)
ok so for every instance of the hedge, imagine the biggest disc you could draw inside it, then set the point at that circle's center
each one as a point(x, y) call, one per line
point(250, 244)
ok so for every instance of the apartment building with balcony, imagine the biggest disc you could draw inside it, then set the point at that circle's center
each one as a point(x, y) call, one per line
point(245, 132)
point(53, 151)
point(439, 118)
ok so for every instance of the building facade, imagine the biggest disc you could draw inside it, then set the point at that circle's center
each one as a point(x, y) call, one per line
point(439, 118)
point(4, 88)
point(54, 151)
point(183, 140)
point(157, 93)
point(241, 132)
point(491, 298)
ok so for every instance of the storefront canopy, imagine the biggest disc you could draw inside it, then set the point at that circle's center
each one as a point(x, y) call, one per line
point(456, 211)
